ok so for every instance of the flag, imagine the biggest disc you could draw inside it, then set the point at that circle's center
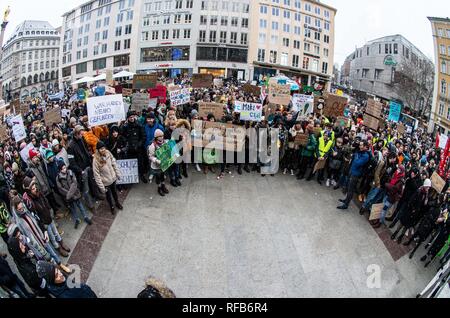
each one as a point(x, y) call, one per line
point(58, 96)
point(74, 98)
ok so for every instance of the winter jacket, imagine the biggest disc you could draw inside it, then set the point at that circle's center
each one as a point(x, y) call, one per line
point(79, 156)
point(379, 172)
point(360, 159)
point(68, 186)
point(154, 161)
point(117, 146)
point(134, 135)
point(7, 277)
point(38, 205)
point(394, 192)
point(150, 133)
point(40, 173)
point(63, 291)
point(52, 169)
point(414, 209)
point(105, 170)
point(310, 149)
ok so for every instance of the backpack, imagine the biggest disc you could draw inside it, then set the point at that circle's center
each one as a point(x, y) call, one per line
point(371, 165)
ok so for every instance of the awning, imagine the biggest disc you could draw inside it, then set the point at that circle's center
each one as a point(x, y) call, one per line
point(84, 80)
point(101, 77)
point(123, 74)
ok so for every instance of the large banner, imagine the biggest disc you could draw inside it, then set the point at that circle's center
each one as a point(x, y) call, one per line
point(145, 81)
point(374, 108)
point(249, 111)
point(167, 154)
point(129, 173)
point(395, 110)
point(19, 132)
point(180, 97)
point(159, 92)
point(303, 104)
point(202, 80)
point(105, 110)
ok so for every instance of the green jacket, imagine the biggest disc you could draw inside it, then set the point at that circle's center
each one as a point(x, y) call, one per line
point(5, 218)
point(310, 149)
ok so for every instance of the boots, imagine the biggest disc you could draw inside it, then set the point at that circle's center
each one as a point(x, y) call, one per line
point(247, 169)
point(161, 191)
point(240, 170)
point(62, 252)
point(119, 206)
point(164, 188)
point(64, 246)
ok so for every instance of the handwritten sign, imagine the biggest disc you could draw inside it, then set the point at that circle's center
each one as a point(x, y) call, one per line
point(204, 109)
point(334, 105)
point(371, 122)
point(180, 97)
point(279, 94)
point(145, 81)
point(140, 101)
point(249, 111)
point(159, 92)
point(105, 110)
point(202, 80)
point(129, 173)
point(301, 140)
point(252, 90)
point(153, 103)
point(437, 182)
point(374, 108)
point(52, 116)
point(395, 110)
point(303, 104)
point(19, 132)
point(167, 154)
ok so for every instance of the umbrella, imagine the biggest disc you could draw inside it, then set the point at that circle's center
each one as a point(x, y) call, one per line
point(123, 74)
point(101, 77)
point(281, 78)
point(83, 80)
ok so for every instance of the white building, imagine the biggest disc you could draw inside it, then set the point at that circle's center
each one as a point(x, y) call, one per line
point(192, 36)
point(30, 61)
point(97, 36)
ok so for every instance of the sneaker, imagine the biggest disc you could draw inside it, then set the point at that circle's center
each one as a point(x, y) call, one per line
point(88, 221)
point(62, 252)
point(161, 192)
point(328, 183)
point(285, 171)
point(292, 172)
point(198, 168)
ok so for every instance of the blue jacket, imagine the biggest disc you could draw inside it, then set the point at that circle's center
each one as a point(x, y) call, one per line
point(150, 133)
point(63, 291)
point(360, 159)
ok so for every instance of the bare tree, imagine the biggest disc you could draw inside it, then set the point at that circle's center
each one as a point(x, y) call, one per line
point(414, 84)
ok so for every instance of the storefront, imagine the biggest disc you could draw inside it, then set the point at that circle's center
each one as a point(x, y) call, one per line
point(216, 72)
point(261, 72)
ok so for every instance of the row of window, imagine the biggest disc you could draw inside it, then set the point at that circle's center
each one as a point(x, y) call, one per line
point(165, 34)
point(443, 51)
point(99, 64)
point(297, 5)
point(444, 33)
point(235, 6)
point(44, 53)
point(213, 20)
point(297, 17)
point(308, 63)
point(38, 78)
point(223, 37)
point(167, 19)
point(296, 44)
point(168, 5)
point(263, 24)
point(39, 66)
point(441, 110)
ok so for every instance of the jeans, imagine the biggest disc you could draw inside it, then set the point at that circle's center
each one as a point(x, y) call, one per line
point(86, 190)
point(174, 172)
point(52, 252)
point(75, 207)
point(53, 235)
point(373, 197)
point(351, 187)
point(387, 206)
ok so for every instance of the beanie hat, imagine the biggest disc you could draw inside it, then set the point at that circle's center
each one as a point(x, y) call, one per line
point(194, 113)
point(115, 128)
point(100, 145)
point(427, 183)
point(49, 154)
point(55, 142)
point(33, 153)
point(28, 183)
point(131, 113)
point(159, 133)
point(151, 115)
point(15, 167)
point(46, 271)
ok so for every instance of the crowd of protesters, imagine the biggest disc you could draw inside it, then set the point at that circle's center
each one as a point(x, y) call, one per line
point(72, 166)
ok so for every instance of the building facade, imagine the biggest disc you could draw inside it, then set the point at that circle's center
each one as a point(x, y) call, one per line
point(440, 113)
point(30, 61)
point(345, 71)
point(97, 36)
point(292, 37)
point(374, 66)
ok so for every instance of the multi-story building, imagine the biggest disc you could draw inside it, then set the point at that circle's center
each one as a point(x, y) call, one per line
point(30, 61)
point(97, 36)
point(375, 69)
point(292, 37)
point(187, 36)
point(440, 113)
point(345, 71)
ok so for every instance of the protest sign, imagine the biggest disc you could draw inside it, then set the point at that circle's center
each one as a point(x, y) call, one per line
point(374, 108)
point(19, 132)
point(211, 108)
point(395, 110)
point(251, 89)
point(202, 80)
point(371, 122)
point(180, 97)
point(167, 154)
point(153, 103)
point(145, 81)
point(301, 140)
point(3, 133)
point(220, 136)
point(303, 104)
point(401, 129)
point(15, 105)
point(52, 116)
point(218, 82)
point(443, 139)
point(249, 111)
point(65, 113)
point(280, 94)
point(129, 173)
point(320, 165)
point(159, 92)
point(25, 152)
point(127, 92)
point(105, 110)
point(140, 101)
point(437, 182)
point(334, 105)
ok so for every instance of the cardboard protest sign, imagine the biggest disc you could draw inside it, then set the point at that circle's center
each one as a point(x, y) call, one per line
point(129, 173)
point(202, 80)
point(371, 122)
point(303, 104)
point(252, 89)
point(159, 92)
point(211, 108)
point(395, 110)
point(105, 110)
point(401, 129)
point(334, 105)
point(127, 92)
point(140, 101)
point(375, 213)
point(153, 103)
point(3, 133)
point(218, 82)
point(145, 81)
point(19, 132)
point(65, 113)
point(301, 140)
point(437, 182)
point(320, 165)
point(167, 154)
point(53, 116)
point(249, 111)
point(374, 108)
point(280, 94)
point(15, 105)
point(180, 97)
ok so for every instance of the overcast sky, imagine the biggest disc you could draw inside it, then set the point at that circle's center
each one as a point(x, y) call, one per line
point(357, 21)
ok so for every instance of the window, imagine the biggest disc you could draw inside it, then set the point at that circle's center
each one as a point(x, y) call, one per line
point(286, 14)
point(121, 60)
point(105, 35)
point(273, 57)
point(233, 38)
point(234, 22)
point(307, 47)
point(275, 12)
point(85, 53)
point(157, 54)
point(286, 28)
point(395, 48)
point(78, 55)
point(126, 44)
point(202, 36)
point(98, 24)
point(97, 37)
point(316, 49)
point(96, 50)
point(315, 65)
point(203, 20)
point(128, 29)
point(297, 30)
point(306, 63)
point(368, 51)
point(377, 74)
point(274, 25)
point(188, 18)
point(296, 44)
point(244, 23)
point(223, 37)
point(443, 88)
point(317, 36)
point(155, 35)
point(284, 59)
point(212, 36)
point(443, 67)
point(263, 24)
point(187, 33)
point(81, 68)
point(441, 109)
point(189, 4)
point(263, 9)
point(179, 4)
point(176, 33)
point(244, 38)
point(261, 55)
point(326, 38)
point(213, 20)
point(286, 42)
point(87, 27)
point(324, 68)
point(104, 48)
point(130, 15)
point(119, 17)
point(295, 60)
point(442, 47)
point(165, 34)
point(307, 33)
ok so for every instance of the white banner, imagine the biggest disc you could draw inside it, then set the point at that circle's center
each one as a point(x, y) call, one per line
point(105, 110)
point(443, 141)
point(18, 128)
point(180, 97)
point(129, 173)
point(249, 111)
point(303, 104)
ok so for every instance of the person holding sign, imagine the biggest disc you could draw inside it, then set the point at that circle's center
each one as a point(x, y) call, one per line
point(322, 152)
point(155, 163)
point(106, 174)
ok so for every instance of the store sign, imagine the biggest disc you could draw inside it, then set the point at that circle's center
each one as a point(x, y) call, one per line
point(163, 65)
point(389, 60)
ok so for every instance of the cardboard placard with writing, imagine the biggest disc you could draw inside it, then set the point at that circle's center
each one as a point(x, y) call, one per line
point(279, 94)
point(202, 80)
point(371, 122)
point(252, 89)
point(270, 109)
point(15, 106)
point(401, 129)
point(437, 182)
point(374, 108)
point(145, 81)
point(334, 105)
point(140, 101)
point(211, 108)
point(24, 109)
point(3, 133)
point(320, 165)
point(301, 140)
point(53, 116)
point(375, 213)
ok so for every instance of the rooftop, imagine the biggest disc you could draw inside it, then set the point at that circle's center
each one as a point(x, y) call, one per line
point(436, 19)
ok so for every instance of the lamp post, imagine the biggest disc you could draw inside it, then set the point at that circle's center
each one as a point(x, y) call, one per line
point(2, 36)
